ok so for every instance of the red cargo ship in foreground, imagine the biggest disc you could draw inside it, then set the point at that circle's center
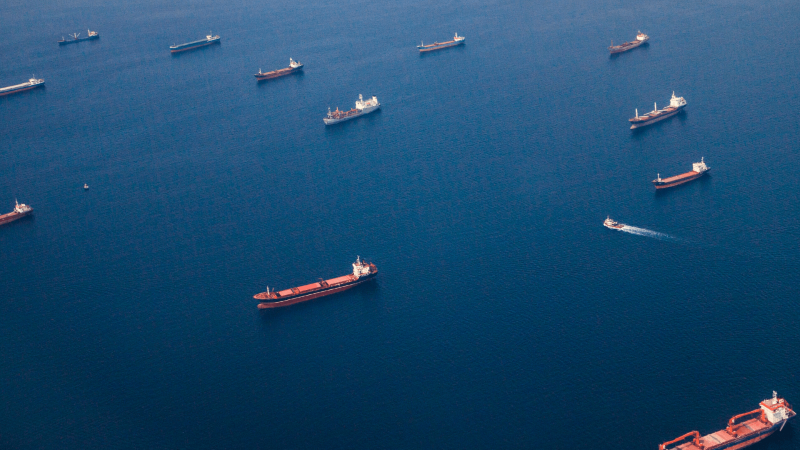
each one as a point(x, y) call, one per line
point(20, 211)
point(362, 272)
point(770, 417)
point(698, 169)
point(294, 66)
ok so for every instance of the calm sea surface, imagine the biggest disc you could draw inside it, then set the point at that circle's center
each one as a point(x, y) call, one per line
point(504, 316)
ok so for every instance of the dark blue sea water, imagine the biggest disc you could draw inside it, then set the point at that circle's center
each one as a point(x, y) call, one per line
point(504, 316)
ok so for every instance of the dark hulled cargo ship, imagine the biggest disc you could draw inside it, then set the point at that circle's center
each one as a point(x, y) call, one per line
point(641, 38)
point(698, 170)
point(457, 40)
point(20, 211)
point(193, 45)
point(91, 35)
point(771, 416)
point(294, 66)
point(676, 105)
point(31, 84)
point(362, 272)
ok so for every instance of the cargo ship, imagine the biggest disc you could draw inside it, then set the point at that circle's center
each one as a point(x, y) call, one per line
point(31, 84)
point(698, 169)
point(20, 211)
point(294, 66)
point(457, 40)
point(641, 38)
point(91, 36)
point(608, 223)
point(676, 105)
point(362, 272)
point(196, 44)
point(362, 107)
point(771, 416)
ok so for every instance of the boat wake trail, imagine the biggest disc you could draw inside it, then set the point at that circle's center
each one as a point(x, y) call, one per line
point(649, 233)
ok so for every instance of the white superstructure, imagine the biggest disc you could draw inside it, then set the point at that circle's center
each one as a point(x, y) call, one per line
point(359, 268)
point(700, 167)
point(774, 409)
point(367, 106)
point(21, 207)
point(676, 102)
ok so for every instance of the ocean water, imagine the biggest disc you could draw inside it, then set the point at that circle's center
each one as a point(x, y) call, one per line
point(504, 315)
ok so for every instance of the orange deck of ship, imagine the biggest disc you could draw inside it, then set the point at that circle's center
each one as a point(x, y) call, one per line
point(718, 438)
point(310, 287)
point(679, 177)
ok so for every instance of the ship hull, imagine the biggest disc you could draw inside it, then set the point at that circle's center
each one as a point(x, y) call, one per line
point(739, 443)
point(278, 73)
point(658, 118)
point(317, 294)
point(363, 112)
point(12, 216)
point(626, 46)
point(75, 41)
point(678, 180)
point(193, 46)
point(20, 89)
point(440, 46)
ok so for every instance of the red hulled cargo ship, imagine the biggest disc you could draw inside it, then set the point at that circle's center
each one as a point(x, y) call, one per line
point(641, 38)
point(362, 272)
point(770, 417)
point(294, 66)
point(698, 169)
point(20, 211)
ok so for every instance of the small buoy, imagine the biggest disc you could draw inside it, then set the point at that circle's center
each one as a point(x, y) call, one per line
point(85, 187)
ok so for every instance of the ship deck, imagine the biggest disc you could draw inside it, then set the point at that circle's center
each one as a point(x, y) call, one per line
point(654, 114)
point(679, 177)
point(720, 438)
point(314, 286)
point(16, 86)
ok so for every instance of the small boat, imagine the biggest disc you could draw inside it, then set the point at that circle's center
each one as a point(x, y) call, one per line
point(612, 224)
point(85, 187)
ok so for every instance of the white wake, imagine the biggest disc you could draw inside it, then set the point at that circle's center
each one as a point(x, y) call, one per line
point(648, 233)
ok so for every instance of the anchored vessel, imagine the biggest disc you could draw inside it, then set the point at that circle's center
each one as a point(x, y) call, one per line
point(457, 40)
point(608, 223)
point(294, 66)
point(698, 169)
point(32, 83)
point(75, 38)
point(771, 416)
point(362, 272)
point(676, 104)
point(20, 211)
point(362, 107)
point(196, 44)
point(641, 38)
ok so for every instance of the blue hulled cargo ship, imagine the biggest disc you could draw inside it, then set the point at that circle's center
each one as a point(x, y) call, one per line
point(91, 36)
point(196, 44)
